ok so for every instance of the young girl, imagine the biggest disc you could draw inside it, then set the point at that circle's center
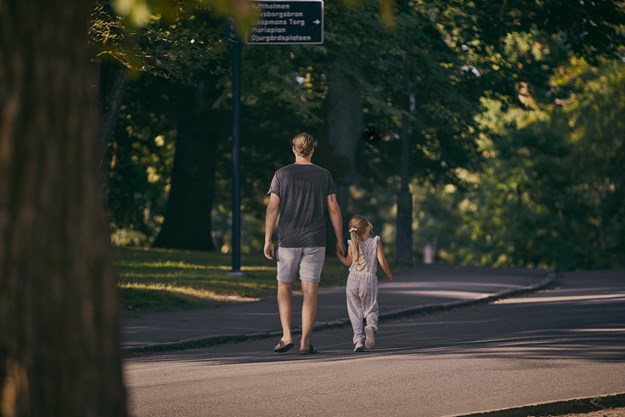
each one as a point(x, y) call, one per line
point(363, 254)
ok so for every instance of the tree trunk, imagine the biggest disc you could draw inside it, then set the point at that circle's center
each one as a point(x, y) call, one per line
point(113, 81)
point(344, 123)
point(188, 213)
point(59, 329)
point(343, 129)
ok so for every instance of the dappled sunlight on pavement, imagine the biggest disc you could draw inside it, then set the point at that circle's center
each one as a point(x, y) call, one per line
point(565, 298)
point(409, 291)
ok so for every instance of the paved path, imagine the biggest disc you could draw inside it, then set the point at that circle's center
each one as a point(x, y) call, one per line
point(424, 288)
point(562, 343)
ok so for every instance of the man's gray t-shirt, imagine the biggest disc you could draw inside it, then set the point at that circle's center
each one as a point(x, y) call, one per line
point(303, 190)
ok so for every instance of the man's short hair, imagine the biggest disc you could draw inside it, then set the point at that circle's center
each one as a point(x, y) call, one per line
point(303, 144)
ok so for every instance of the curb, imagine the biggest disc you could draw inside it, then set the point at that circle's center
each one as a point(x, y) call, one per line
point(434, 308)
point(556, 408)
point(431, 308)
point(404, 312)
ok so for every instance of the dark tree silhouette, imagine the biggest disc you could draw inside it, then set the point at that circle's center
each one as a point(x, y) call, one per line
point(59, 331)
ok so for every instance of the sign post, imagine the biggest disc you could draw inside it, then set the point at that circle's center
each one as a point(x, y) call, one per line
point(281, 22)
point(403, 235)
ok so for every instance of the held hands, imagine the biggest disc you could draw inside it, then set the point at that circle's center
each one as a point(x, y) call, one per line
point(269, 250)
point(340, 249)
point(342, 254)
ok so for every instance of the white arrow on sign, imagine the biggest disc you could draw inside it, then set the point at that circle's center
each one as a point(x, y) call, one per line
point(316, 22)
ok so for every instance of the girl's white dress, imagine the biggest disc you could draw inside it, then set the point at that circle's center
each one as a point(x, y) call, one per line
point(362, 290)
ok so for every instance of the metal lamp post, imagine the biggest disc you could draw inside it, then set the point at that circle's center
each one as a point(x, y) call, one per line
point(236, 152)
point(403, 233)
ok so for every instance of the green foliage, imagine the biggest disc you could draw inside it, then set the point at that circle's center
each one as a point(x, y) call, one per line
point(541, 193)
point(139, 160)
point(178, 47)
point(550, 193)
point(438, 220)
point(518, 206)
point(188, 43)
point(517, 155)
point(598, 128)
point(385, 65)
point(516, 41)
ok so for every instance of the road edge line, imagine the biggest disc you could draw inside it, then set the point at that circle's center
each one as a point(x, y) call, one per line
point(556, 408)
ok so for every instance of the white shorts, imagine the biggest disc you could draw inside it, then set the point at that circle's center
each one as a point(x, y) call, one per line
point(307, 261)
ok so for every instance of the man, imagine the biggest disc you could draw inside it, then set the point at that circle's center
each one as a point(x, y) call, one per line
point(302, 193)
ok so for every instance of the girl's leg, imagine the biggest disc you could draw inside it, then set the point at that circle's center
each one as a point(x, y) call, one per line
point(370, 303)
point(370, 300)
point(354, 310)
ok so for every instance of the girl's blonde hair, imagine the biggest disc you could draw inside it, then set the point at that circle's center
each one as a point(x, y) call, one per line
point(357, 227)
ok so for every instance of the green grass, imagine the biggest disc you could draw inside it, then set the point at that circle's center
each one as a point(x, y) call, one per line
point(154, 280)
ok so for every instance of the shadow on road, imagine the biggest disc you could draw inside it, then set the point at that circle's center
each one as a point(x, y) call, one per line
point(563, 323)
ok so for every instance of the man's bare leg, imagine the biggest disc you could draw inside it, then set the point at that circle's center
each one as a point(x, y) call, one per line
point(309, 311)
point(285, 309)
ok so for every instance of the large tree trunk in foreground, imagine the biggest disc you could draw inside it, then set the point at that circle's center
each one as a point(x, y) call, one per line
point(188, 213)
point(59, 330)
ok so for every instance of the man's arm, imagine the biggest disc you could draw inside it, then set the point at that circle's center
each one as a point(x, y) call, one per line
point(273, 208)
point(337, 222)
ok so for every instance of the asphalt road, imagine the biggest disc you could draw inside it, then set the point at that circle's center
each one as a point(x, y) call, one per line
point(567, 342)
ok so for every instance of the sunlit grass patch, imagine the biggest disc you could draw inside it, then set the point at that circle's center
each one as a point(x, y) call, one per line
point(189, 291)
point(153, 280)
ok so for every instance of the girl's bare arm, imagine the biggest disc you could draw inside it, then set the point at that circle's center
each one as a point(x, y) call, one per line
point(383, 262)
point(345, 260)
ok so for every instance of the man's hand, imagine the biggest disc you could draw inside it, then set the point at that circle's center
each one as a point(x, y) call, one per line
point(340, 248)
point(268, 251)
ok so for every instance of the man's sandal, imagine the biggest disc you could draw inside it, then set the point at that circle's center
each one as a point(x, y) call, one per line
point(283, 347)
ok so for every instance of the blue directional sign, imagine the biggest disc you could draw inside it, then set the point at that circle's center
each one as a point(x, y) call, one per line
point(288, 22)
